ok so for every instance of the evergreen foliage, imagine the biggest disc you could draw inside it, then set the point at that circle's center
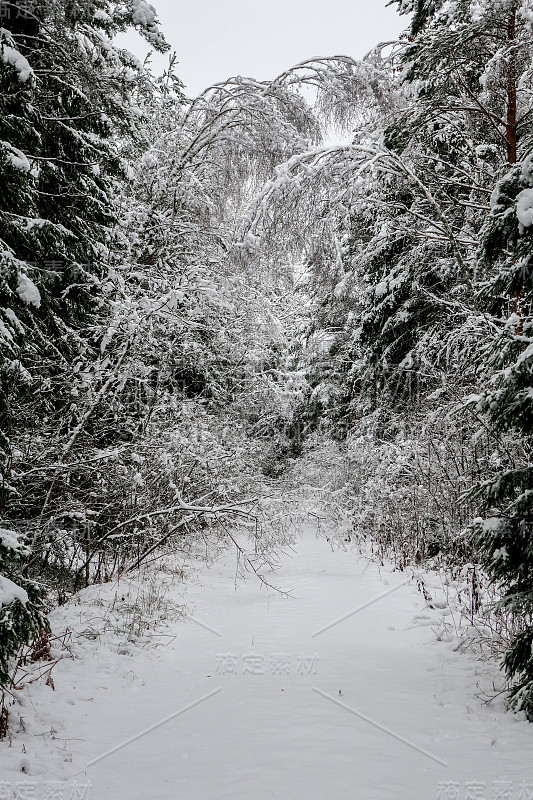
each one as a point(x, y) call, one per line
point(67, 103)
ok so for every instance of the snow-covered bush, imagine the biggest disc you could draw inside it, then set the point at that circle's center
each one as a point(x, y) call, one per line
point(407, 492)
point(21, 613)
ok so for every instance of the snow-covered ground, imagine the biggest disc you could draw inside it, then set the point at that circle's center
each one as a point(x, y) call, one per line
point(264, 697)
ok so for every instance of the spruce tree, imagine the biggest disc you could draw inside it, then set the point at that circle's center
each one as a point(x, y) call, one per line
point(70, 106)
point(21, 609)
point(504, 535)
point(471, 62)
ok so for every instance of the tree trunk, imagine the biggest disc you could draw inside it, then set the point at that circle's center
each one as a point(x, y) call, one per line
point(510, 128)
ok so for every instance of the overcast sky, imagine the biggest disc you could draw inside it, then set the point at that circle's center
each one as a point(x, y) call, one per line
point(215, 39)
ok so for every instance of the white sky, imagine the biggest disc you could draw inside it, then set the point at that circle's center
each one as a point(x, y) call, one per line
point(215, 39)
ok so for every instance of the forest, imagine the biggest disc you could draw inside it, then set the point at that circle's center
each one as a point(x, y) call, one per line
point(205, 300)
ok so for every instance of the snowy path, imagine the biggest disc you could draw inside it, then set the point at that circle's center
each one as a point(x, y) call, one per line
point(267, 734)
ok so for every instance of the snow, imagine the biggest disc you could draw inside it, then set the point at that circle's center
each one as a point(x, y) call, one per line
point(20, 370)
point(143, 13)
point(524, 207)
point(500, 553)
point(340, 289)
point(491, 524)
point(9, 592)
point(16, 157)
point(494, 197)
point(15, 59)
point(525, 355)
point(5, 333)
point(35, 222)
point(369, 708)
point(148, 161)
point(9, 539)
point(381, 289)
point(527, 169)
point(101, 15)
point(27, 291)
point(14, 320)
